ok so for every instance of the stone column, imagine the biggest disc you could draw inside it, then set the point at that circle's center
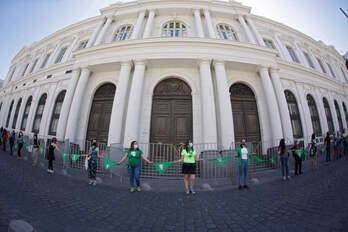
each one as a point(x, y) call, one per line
point(207, 103)
point(198, 22)
point(224, 103)
point(138, 25)
point(284, 51)
point(54, 54)
point(256, 32)
point(321, 111)
point(46, 116)
point(21, 111)
point(32, 112)
point(64, 113)
point(307, 122)
point(333, 112)
point(149, 24)
point(69, 51)
point(119, 104)
point(283, 106)
point(4, 108)
point(100, 38)
point(343, 115)
point(41, 59)
point(76, 105)
point(209, 24)
point(246, 29)
point(314, 59)
point(13, 112)
point(93, 37)
point(301, 56)
point(134, 104)
point(272, 105)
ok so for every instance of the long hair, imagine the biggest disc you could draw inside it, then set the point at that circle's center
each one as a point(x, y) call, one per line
point(282, 145)
point(132, 145)
point(313, 136)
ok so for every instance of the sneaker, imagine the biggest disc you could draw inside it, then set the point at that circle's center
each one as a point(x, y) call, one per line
point(94, 183)
point(90, 182)
point(284, 178)
point(193, 192)
point(187, 192)
point(246, 187)
point(288, 178)
point(138, 189)
point(49, 171)
point(240, 187)
point(131, 190)
point(52, 171)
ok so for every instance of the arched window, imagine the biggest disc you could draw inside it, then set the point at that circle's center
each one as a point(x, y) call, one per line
point(328, 116)
point(339, 116)
point(226, 32)
point(294, 114)
point(314, 115)
point(123, 33)
point(26, 113)
point(38, 114)
point(56, 113)
point(345, 112)
point(14, 122)
point(174, 29)
point(9, 113)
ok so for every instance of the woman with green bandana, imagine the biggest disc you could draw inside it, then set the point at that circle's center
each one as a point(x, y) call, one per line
point(134, 156)
point(188, 157)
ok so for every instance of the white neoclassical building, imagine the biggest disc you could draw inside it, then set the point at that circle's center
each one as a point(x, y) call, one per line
point(165, 71)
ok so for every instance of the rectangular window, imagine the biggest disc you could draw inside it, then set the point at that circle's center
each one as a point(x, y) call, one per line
point(269, 43)
point(45, 60)
point(292, 54)
point(33, 67)
point(309, 60)
point(60, 55)
point(331, 71)
point(25, 69)
point(321, 65)
point(82, 44)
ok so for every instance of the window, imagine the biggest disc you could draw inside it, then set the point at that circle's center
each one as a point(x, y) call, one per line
point(174, 29)
point(123, 33)
point(26, 113)
point(226, 32)
point(33, 67)
point(12, 73)
point(339, 116)
point(38, 114)
point(14, 122)
point(25, 69)
point(61, 55)
point(269, 43)
point(331, 71)
point(82, 44)
point(45, 60)
point(292, 54)
point(9, 114)
point(294, 114)
point(309, 60)
point(328, 116)
point(345, 111)
point(56, 113)
point(321, 65)
point(314, 115)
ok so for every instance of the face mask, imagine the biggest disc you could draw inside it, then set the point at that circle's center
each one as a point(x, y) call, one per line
point(191, 144)
point(135, 146)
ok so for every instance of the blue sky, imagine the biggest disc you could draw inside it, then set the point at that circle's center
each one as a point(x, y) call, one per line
point(26, 21)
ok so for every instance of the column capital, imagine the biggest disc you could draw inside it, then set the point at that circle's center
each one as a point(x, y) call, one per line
point(204, 61)
point(126, 63)
point(140, 62)
point(152, 10)
point(262, 68)
point(274, 69)
point(218, 62)
point(196, 9)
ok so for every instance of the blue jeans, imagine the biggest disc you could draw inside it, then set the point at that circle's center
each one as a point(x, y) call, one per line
point(243, 169)
point(134, 172)
point(285, 166)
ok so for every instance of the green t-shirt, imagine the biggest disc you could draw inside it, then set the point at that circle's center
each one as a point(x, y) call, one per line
point(134, 157)
point(189, 156)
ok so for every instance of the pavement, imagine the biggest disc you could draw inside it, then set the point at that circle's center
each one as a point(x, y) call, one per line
point(314, 201)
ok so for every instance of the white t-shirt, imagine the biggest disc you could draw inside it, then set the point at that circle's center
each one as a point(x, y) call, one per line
point(244, 153)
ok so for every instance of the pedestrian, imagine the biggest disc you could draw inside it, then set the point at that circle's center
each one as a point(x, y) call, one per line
point(93, 155)
point(243, 164)
point(20, 144)
point(12, 141)
point(50, 156)
point(340, 145)
point(327, 142)
point(297, 154)
point(1, 130)
point(134, 156)
point(314, 152)
point(4, 139)
point(284, 158)
point(335, 141)
point(36, 149)
point(189, 158)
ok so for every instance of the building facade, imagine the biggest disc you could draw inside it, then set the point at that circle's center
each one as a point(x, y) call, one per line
point(165, 71)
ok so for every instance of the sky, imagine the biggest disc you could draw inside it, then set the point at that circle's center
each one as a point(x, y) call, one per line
point(26, 21)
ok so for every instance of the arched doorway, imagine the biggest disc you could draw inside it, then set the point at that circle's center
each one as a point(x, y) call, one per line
point(245, 114)
point(100, 114)
point(171, 118)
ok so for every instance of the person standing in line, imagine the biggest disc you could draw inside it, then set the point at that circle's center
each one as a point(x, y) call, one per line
point(314, 152)
point(94, 155)
point(284, 158)
point(134, 156)
point(36, 149)
point(327, 142)
point(335, 141)
point(50, 155)
point(1, 130)
point(12, 141)
point(243, 164)
point(20, 144)
point(297, 154)
point(189, 158)
point(4, 139)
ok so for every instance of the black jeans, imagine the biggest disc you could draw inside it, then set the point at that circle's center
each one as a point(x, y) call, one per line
point(298, 165)
point(11, 147)
point(20, 146)
point(50, 164)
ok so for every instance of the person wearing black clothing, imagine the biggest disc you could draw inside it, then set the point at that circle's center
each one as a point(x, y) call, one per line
point(296, 153)
point(4, 139)
point(50, 155)
point(12, 141)
point(1, 130)
point(36, 149)
point(327, 146)
point(20, 143)
point(314, 152)
point(284, 157)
